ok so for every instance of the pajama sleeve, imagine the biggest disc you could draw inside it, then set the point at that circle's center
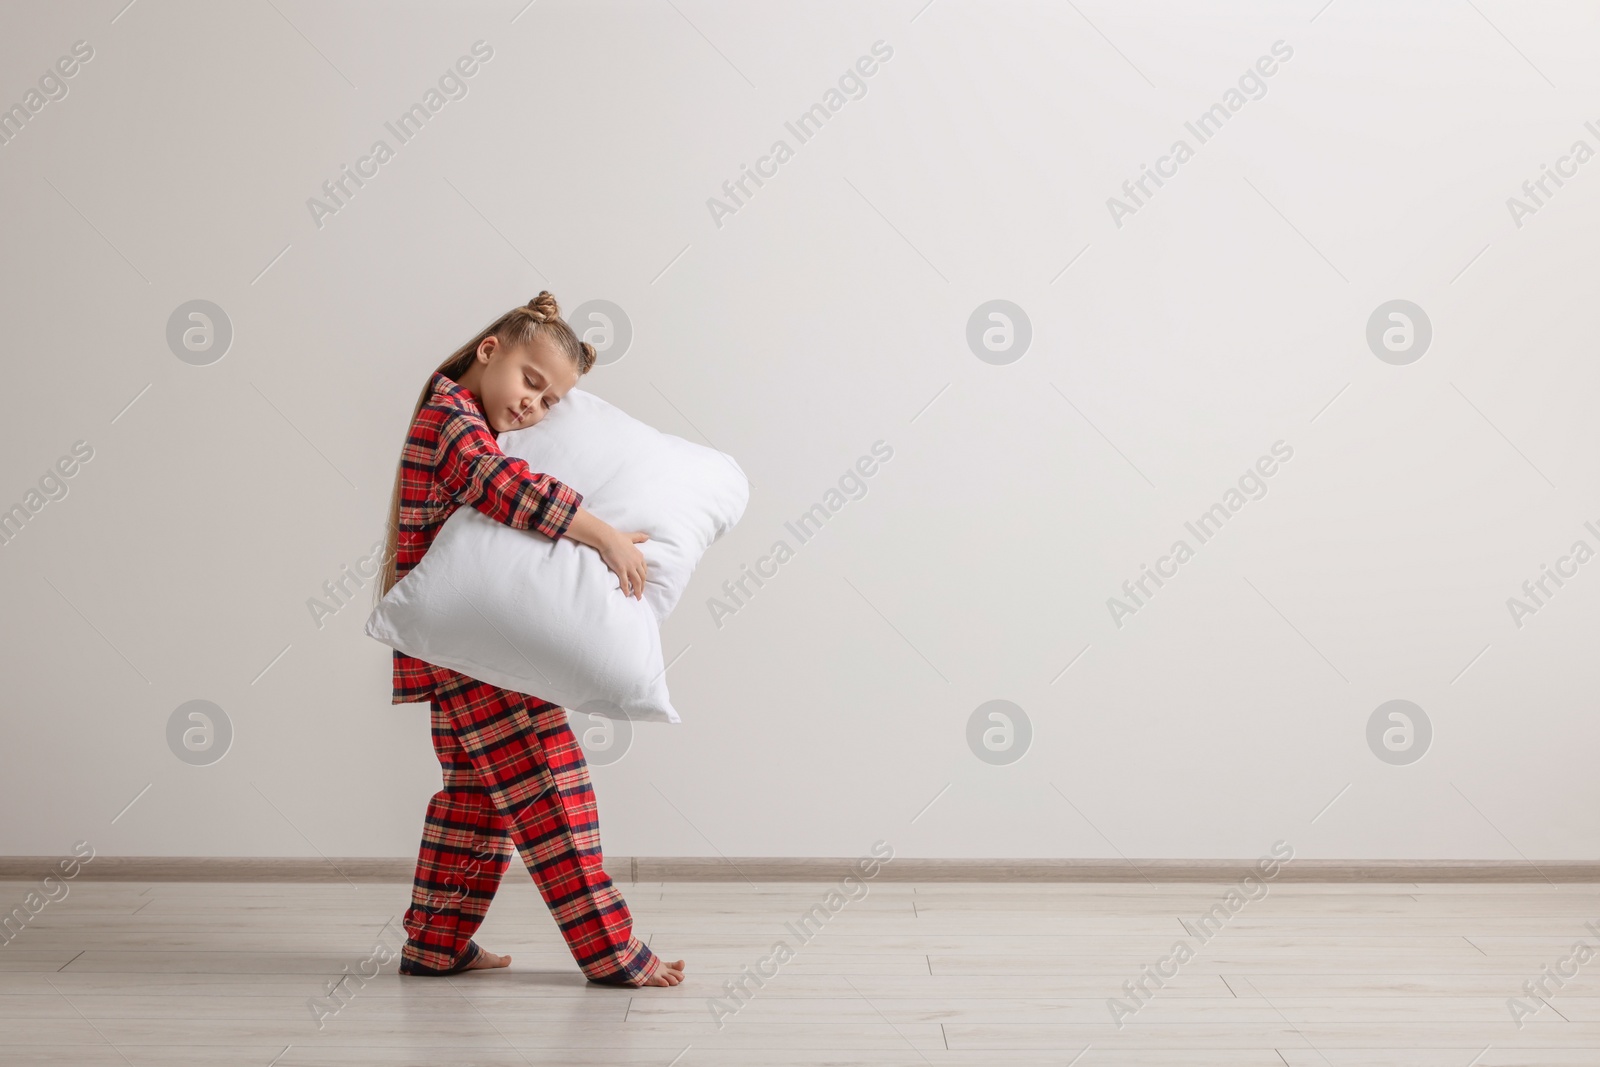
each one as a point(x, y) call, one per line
point(473, 470)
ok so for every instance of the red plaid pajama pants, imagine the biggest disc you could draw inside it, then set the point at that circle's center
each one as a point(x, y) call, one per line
point(513, 774)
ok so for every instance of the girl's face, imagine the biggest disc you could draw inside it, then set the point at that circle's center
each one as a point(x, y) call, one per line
point(516, 386)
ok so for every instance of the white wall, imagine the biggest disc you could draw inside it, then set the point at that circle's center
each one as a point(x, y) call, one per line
point(1228, 313)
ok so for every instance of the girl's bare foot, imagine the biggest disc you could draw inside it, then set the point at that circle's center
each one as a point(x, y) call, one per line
point(668, 974)
point(489, 959)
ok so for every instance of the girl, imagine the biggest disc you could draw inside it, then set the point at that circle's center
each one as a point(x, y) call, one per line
point(512, 769)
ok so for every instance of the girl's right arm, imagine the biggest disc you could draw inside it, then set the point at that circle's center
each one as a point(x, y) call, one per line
point(473, 470)
point(614, 546)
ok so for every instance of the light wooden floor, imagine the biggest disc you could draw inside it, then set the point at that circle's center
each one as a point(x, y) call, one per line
point(1310, 976)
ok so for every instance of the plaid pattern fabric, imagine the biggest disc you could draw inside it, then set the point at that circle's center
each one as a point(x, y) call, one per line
point(513, 770)
point(451, 458)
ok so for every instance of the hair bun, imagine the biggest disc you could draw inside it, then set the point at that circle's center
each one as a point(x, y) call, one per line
point(544, 307)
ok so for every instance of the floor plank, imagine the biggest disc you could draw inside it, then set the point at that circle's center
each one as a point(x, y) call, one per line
point(952, 974)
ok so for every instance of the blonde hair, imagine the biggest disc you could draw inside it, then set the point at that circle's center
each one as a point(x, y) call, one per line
point(539, 317)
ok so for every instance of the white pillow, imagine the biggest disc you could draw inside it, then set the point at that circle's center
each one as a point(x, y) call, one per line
point(547, 617)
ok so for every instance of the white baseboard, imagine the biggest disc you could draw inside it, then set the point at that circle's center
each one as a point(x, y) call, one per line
point(635, 869)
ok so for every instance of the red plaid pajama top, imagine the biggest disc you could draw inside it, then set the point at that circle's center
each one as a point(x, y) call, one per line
point(451, 458)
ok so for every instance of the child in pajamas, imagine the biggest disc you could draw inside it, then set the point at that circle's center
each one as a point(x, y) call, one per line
point(513, 772)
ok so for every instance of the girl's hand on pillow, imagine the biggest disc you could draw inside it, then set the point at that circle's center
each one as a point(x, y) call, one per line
point(625, 561)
